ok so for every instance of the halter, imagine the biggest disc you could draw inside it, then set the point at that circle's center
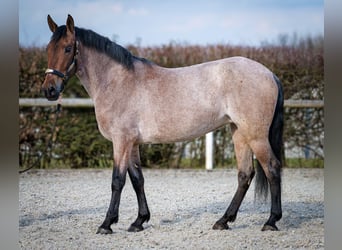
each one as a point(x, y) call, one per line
point(65, 77)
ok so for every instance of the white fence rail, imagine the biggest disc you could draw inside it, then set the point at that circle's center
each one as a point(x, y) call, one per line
point(209, 145)
point(87, 103)
point(66, 102)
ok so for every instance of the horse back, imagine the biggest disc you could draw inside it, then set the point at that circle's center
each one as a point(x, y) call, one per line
point(183, 103)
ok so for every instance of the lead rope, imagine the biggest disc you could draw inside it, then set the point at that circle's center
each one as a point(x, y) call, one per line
point(49, 143)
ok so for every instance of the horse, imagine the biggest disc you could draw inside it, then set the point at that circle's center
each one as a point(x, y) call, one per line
point(138, 102)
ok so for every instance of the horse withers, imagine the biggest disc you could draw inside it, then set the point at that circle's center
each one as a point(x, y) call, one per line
point(137, 101)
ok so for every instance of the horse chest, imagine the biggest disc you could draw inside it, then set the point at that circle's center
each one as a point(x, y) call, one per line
point(104, 125)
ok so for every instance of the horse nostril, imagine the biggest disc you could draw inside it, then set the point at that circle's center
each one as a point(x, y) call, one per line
point(52, 91)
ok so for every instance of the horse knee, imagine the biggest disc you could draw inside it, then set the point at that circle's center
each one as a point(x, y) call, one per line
point(136, 177)
point(118, 182)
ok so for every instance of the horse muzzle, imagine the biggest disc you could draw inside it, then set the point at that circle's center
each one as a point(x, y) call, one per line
point(52, 89)
point(52, 93)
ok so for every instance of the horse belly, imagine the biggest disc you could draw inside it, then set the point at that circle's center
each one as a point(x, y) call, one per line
point(177, 129)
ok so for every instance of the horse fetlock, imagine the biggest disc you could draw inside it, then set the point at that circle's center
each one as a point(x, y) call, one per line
point(278, 216)
point(145, 217)
point(137, 225)
point(109, 220)
point(232, 217)
point(105, 226)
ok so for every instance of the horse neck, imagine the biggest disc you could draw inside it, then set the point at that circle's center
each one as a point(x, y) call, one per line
point(98, 71)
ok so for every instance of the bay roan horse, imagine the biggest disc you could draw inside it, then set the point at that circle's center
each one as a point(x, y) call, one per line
point(137, 101)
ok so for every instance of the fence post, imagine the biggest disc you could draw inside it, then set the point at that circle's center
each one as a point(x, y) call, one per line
point(209, 150)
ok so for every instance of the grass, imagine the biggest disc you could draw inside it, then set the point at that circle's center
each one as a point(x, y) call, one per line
point(304, 163)
point(289, 163)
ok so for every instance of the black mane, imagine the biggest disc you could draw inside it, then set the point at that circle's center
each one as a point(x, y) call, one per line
point(102, 44)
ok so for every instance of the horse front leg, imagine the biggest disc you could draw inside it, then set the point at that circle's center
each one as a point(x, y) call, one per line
point(112, 216)
point(137, 179)
point(122, 154)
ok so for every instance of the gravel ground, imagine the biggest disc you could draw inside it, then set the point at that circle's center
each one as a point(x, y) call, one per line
point(62, 209)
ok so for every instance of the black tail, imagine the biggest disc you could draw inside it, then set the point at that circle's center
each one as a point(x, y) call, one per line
point(276, 140)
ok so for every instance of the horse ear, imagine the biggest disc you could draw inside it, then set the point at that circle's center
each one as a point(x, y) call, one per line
point(52, 25)
point(70, 24)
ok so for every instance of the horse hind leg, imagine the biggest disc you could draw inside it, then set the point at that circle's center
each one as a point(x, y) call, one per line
point(244, 158)
point(272, 169)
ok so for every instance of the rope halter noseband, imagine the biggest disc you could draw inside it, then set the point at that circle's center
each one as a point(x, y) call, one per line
point(65, 77)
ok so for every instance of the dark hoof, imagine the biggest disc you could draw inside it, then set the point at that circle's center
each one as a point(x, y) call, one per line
point(220, 226)
point(102, 230)
point(135, 228)
point(269, 228)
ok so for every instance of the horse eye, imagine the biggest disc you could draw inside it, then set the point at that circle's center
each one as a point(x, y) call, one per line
point(67, 49)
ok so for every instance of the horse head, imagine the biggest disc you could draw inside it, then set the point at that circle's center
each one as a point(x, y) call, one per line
point(62, 53)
